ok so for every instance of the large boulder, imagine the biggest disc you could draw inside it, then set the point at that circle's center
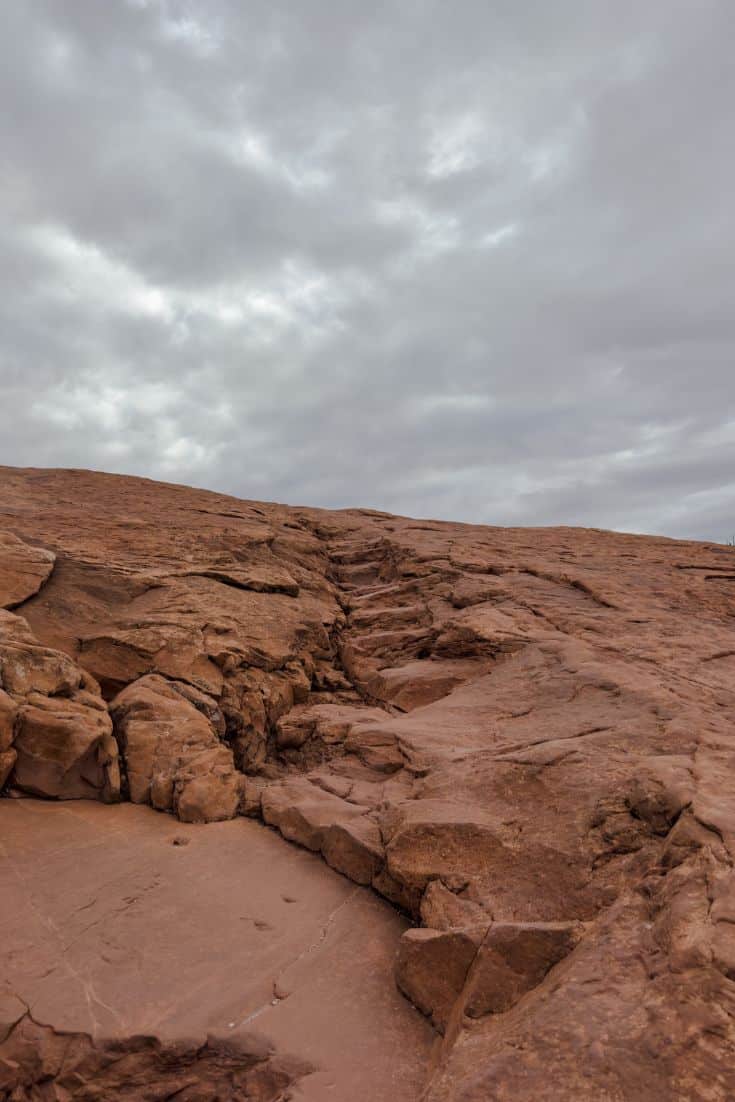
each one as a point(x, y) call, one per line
point(174, 757)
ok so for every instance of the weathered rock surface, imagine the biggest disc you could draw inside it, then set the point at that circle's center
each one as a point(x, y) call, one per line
point(55, 732)
point(174, 759)
point(23, 569)
point(143, 959)
point(432, 968)
point(74, 1067)
point(522, 738)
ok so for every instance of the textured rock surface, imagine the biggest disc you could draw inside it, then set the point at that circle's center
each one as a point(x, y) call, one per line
point(56, 735)
point(174, 760)
point(217, 962)
point(522, 738)
point(23, 569)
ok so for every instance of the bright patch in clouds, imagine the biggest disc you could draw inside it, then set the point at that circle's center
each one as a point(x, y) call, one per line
point(498, 236)
point(456, 146)
point(84, 272)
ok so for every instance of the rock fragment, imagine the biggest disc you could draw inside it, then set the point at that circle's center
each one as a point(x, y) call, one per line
point(56, 735)
point(23, 570)
point(174, 758)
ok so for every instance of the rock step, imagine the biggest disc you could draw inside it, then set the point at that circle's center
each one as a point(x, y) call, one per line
point(480, 969)
point(351, 555)
point(363, 570)
point(415, 684)
point(388, 615)
point(318, 820)
point(385, 591)
point(407, 641)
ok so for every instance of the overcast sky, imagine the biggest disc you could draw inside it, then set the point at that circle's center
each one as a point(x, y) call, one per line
point(470, 260)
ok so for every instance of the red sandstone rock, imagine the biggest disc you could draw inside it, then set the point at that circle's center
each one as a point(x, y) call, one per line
point(522, 731)
point(174, 758)
point(442, 909)
point(55, 733)
point(233, 967)
point(354, 847)
point(432, 968)
point(23, 570)
point(512, 959)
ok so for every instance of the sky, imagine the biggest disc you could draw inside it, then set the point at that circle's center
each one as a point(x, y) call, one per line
point(472, 261)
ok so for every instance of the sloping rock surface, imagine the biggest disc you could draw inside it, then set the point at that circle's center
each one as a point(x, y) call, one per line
point(522, 738)
point(144, 959)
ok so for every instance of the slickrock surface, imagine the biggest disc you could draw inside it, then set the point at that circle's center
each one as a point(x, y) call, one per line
point(521, 738)
point(118, 923)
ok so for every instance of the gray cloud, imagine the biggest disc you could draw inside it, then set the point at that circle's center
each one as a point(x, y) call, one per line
point(472, 261)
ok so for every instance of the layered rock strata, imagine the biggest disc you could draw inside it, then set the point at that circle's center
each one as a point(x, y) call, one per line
point(521, 738)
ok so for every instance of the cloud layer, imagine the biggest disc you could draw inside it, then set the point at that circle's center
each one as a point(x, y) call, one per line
point(471, 261)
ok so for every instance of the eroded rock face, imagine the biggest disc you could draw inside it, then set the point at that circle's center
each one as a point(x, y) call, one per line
point(23, 569)
point(56, 735)
point(174, 758)
point(141, 1067)
point(522, 738)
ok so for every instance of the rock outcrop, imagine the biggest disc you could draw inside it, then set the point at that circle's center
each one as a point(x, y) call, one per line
point(23, 569)
point(56, 735)
point(35, 1056)
point(521, 738)
point(170, 737)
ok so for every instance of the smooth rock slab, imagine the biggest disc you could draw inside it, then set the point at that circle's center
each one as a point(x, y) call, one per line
point(117, 921)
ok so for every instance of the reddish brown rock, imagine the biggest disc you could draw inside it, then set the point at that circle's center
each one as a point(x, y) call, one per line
point(174, 759)
point(414, 684)
point(513, 958)
point(7, 761)
point(432, 968)
point(56, 737)
point(304, 812)
point(330, 722)
point(233, 967)
point(8, 714)
point(65, 748)
point(442, 909)
point(354, 847)
point(524, 728)
point(23, 570)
